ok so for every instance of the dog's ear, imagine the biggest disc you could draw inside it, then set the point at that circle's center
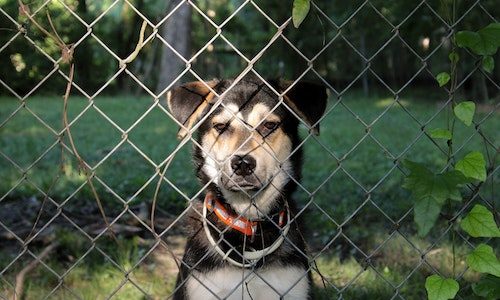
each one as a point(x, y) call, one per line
point(308, 100)
point(189, 102)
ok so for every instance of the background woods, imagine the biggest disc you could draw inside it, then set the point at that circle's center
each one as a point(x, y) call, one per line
point(363, 34)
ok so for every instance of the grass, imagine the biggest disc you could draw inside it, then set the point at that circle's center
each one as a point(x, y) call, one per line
point(96, 276)
point(338, 177)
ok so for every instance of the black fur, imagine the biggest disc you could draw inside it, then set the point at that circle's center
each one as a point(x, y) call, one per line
point(311, 100)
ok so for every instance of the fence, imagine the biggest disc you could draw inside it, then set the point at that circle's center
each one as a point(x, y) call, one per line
point(347, 259)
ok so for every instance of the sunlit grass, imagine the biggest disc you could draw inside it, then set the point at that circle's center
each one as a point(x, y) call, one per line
point(396, 265)
point(385, 102)
point(23, 139)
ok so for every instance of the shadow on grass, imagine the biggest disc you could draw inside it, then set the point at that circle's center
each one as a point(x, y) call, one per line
point(129, 269)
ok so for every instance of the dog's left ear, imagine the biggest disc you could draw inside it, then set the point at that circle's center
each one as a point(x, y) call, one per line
point(308, 100)
point(189, 102)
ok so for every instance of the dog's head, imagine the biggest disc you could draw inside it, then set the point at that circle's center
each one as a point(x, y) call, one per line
point(246, 144)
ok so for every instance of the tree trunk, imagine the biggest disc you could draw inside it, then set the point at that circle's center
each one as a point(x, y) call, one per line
point(83, 53)
point(364, 77)
point(481, 87)
point(177, 32)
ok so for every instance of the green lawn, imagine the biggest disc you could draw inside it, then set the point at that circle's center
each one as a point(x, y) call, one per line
point(23, 139)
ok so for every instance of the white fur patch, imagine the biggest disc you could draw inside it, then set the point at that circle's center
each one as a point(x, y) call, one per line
point(232, 283)
point(264, 200)
point(211, 169)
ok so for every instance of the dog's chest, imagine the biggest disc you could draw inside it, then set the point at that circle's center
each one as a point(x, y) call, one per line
point(234, 283)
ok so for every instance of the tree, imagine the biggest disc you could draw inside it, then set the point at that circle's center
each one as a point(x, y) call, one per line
point(176, 31)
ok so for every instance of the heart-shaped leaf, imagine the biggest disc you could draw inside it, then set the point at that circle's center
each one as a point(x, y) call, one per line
point(491, 33)
point(443, 78)
point(472, 166)
point(488, 64)
point(479, 222)
point(484, 42)
point(439, 288)
point(483, 260)
point(464, 111)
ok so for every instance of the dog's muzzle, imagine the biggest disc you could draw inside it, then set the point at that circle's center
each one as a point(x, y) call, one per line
point(243, 165)
point(243, 177)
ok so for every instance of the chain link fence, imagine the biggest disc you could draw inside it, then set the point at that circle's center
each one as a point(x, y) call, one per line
point(355, 249)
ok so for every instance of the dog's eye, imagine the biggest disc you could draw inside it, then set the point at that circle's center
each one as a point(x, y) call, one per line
point(220, 127)
point(271, 125)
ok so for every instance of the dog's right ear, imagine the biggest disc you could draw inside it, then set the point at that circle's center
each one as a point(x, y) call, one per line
point(189, 102)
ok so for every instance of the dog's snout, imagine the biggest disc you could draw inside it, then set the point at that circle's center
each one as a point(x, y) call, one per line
point(243, 165)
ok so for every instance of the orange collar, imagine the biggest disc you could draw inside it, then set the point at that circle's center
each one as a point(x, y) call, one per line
point(234, 221)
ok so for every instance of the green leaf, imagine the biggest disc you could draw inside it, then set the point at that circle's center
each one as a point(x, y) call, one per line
point(430, 191)
point(443, 78)
point(440, 187)
point(299, 11)
point(451, 182)
point(491, 33)
point(472, 166)
point(488, 64)
point(454, 57)
point(479, 222)
point(483, 260)
point(467, 39)
point(439, 288)
point(440, 133)
point(426, 212)
point(488, 287)
point(464, 111)
point(484, 42)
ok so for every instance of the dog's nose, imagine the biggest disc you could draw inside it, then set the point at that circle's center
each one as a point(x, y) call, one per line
point(243, 165)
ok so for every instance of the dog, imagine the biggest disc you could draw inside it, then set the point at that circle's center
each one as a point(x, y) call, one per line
point(245, 241)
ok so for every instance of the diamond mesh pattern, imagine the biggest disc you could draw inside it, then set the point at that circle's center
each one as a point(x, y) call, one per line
point(161, 243)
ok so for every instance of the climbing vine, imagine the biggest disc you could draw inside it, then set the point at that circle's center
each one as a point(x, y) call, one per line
point(431, 191)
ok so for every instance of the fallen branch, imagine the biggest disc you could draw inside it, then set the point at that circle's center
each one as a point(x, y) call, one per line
point(20, 277)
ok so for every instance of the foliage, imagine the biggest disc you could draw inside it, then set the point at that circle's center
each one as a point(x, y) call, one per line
point(480, 223)
point(483, 42)
point(439, 288)
point(248, 30)
point(300, 11)
point(443, 78)
point(488, 287)
point(464, 111)
point(439, 133)
point(430, 191)
point(483, 260)
point(472, 166)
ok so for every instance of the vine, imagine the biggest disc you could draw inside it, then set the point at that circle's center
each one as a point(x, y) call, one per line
point(431, 191)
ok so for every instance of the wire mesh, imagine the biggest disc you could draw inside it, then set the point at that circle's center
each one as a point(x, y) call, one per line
point(163, 236)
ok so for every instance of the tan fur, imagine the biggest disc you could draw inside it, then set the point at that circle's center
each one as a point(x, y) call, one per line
point(271, 154)
point(202, 89)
